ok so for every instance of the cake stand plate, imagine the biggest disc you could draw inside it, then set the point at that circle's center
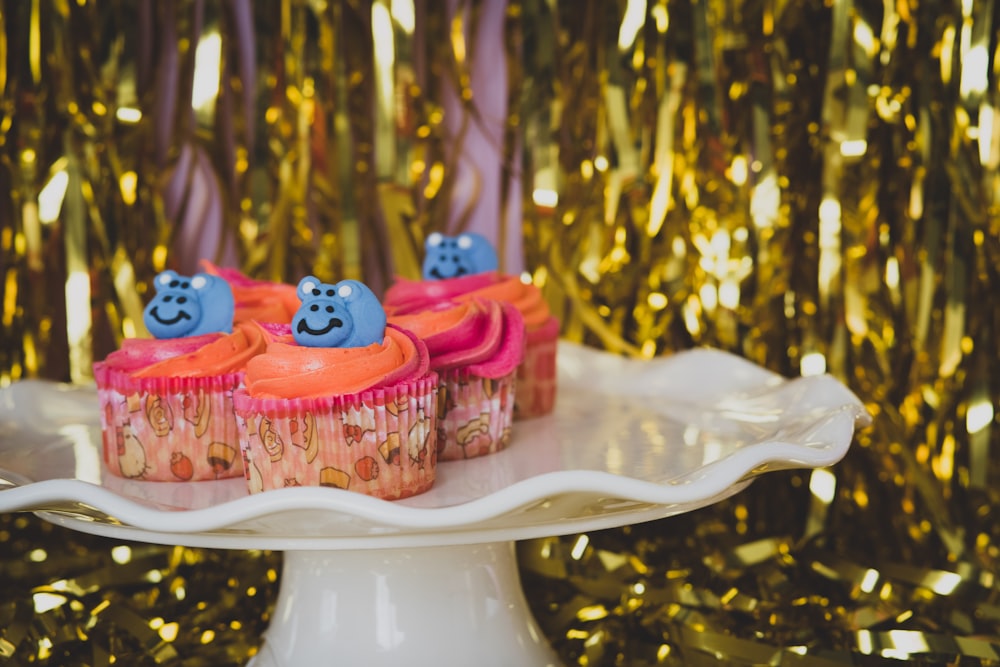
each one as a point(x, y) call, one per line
point(433, 579)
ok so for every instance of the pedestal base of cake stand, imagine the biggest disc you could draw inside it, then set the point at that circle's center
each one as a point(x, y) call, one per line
point(440, 605)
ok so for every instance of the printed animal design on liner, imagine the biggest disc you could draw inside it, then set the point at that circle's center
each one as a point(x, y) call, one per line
point(367, 468)
point(191, 306)
point(346, 314)
point(159, 415)
point(334, 477)
point(418, 439)
point(442, 438)
point(133, 402)
point(389, 448)
point(506, 390)
point(255, 481)
point(398, 406)
point(457, 256)
point(305, 438)
point(131, 453)
point(474, 436)
point(221, 457)
point(489, 386)
point(197, 411)
point(181, 466)
point(501, 389)
point(252, 474)
point(445, 403)
point(353, 433)
point(356, 426)
point(272, 442)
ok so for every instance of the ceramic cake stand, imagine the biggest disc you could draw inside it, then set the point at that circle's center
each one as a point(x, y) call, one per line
point(433, 580)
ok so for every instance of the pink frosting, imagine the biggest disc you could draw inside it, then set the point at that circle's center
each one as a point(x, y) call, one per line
point(408, 296)
point(417, 295)
point(485, 337)
point(138, 353)
point(258, 300)
point(290, 371)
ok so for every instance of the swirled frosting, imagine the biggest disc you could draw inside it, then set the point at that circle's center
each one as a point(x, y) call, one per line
point(410, 296)
point(194, 356)
point(290, 371)
point(484, 336)
point(259, 300)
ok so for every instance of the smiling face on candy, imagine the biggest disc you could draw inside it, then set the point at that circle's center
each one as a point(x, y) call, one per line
point(346, 314)
point(457, 256)
point(191, 306)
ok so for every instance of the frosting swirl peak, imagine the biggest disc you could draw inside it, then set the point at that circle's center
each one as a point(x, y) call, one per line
point(410, 296)
point(289, 371)
point(196, 356)
point(484, 336)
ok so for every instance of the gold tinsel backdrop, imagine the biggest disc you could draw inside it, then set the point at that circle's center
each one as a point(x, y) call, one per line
point(812, 185)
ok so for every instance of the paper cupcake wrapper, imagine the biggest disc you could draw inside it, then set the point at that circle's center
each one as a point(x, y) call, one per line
point(474, 414)
point(536, 375)
point(381, 442)
point(169, 429)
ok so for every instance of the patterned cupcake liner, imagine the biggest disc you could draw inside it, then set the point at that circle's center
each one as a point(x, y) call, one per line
point(169, 429)
point(536, 375)
point(474, 414)
point(380, 442)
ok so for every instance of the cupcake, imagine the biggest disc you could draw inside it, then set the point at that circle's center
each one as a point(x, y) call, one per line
point(166, 402)
point(257, 300)
point(475, 348)
point(343, 400)
point(463, 268)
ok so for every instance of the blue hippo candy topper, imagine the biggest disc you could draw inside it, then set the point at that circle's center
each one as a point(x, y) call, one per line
point(191, 306)
point(457, 256)
point(346, 314)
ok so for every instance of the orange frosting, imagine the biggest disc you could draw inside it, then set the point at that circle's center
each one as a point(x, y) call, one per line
point(265, 303)
point(484, 337)
point(526, 298)
point(226, 354)
point(426, 323)
point(288, 370)
point(411, 296)
point(260, 300)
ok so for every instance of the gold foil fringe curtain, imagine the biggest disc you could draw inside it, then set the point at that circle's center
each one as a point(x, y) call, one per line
point(812, 185)
point(282, 137)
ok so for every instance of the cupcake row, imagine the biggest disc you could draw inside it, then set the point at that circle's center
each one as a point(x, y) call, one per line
point(331, 387)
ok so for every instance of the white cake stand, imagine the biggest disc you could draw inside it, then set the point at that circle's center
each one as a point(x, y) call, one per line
point(433, 580)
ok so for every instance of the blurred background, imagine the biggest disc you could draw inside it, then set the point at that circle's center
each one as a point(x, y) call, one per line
point(810, 184)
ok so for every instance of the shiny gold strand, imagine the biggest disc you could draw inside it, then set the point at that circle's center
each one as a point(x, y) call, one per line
point(811, 185)
point(72, 599)
point(150, 150)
